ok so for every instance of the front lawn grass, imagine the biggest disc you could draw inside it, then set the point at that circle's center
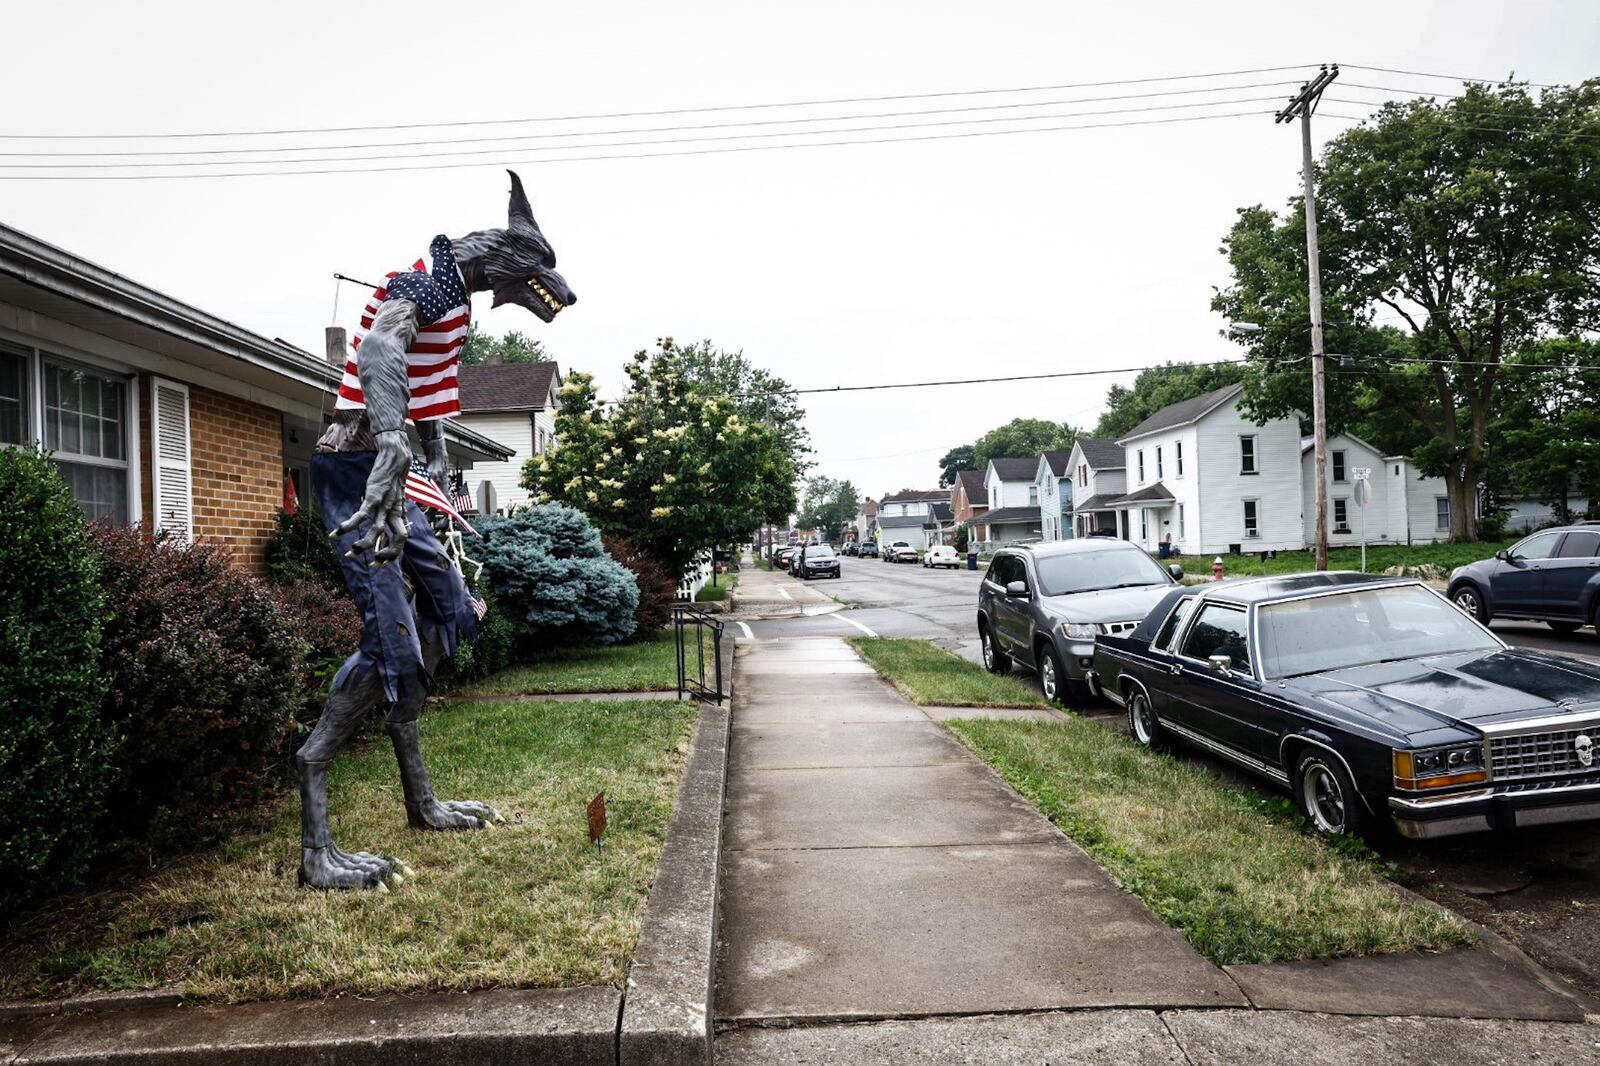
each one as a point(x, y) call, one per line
point(647, 666)
point(933, 677)
point(718, 592)
point(1379, 558)
point(526, 904)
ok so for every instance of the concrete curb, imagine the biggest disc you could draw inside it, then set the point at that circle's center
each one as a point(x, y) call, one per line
point(577, 1025)
point(666, 1010)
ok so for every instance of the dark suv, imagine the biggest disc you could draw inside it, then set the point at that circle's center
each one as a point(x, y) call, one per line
point(815, 560)
point(1552, 576)
point(1043, 605)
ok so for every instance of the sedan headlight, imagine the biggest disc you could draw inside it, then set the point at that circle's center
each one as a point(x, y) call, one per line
point(1079, 630)
point(1454, 764)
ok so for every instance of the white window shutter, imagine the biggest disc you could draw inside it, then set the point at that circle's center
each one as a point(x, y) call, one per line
point(173, 488)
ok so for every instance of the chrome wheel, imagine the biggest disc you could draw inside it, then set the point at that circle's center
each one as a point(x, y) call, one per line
point(988, 651)
point(1048, 681)
point(1471, 605)
point(1323, 797)
point(1141, 719)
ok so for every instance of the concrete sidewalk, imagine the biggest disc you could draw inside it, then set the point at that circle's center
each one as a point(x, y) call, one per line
point(874, 868)
point(774, 594)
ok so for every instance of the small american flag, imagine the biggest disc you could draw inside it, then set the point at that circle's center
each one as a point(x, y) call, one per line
point(480, 606)
point(421, 490)
point(463, 501)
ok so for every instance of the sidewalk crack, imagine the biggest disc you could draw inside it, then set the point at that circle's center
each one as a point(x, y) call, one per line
point(1176, 1043)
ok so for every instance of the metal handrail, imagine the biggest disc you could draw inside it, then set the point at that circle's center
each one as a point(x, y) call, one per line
point(686, 617)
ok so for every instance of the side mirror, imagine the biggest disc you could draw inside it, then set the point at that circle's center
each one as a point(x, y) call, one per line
point(1176, 571)
point(1503, 555)
point(1221, 664)
point(1017, 590)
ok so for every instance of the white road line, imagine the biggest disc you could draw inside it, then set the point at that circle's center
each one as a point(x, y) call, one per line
point(858, 625)
point(785, 594)
point(747, 634)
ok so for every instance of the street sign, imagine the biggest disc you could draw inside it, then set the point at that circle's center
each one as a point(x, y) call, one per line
point(1363, 497)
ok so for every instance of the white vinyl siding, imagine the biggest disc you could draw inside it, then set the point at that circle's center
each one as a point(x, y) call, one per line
point(172, 488)
point(514, 429)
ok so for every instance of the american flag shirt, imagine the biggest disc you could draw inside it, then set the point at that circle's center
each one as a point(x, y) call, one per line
point(433, 361)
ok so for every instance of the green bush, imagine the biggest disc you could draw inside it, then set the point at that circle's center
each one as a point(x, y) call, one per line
point(53, 749)
point(547, 568)
point(301, 551)
point(206, 672)
point(658, 589)
point(331, 627)
point(496, 646)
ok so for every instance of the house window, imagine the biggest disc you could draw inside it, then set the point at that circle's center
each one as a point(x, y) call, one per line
point(1083, 474)
point(85, 425)
point(1180, 521)
point(1247, 455)
point(1033, 495)
point(1252, 512)
point(1441, 512)
point(1177, 456)
point(1144, 524)
point(13, 396)
point(1341, 514)
point(1338, 466)
point(1141, 466)
point(1158, 462)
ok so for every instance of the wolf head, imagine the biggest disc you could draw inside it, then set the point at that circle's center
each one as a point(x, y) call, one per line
point(516, 263)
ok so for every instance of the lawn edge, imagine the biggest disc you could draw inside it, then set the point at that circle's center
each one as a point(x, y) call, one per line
point(854, 642)
point(666, 1008)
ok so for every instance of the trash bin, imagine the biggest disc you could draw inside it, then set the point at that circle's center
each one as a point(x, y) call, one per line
point(972, 559)
point(1166, 550)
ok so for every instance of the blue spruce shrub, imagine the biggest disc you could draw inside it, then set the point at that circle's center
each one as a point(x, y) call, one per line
point(554, 580)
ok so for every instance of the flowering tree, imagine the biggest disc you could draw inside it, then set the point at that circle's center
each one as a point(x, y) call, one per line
point(672, 466)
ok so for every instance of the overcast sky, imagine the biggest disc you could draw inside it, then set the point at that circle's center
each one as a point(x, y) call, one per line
point(929, 260)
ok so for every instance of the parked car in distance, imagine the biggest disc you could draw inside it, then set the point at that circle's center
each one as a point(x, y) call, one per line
point(941, 555)
point(1416, 713)
point(868, 550)
point(785, 555)
point(900, 551)
point(1045, 605)
point(1552, 576)
point(850, 547)
point(816, 560)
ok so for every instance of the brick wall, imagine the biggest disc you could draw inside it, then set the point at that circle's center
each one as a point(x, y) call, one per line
point(236, 452)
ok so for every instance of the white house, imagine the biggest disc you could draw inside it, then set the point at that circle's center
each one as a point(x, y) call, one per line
point(1053, 477)
point(908, 515)
point(1096, 470)
point(514, 403)
point(1206, 478)
point(1013, 500)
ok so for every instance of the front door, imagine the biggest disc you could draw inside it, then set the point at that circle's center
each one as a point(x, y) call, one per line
point(1518, 583)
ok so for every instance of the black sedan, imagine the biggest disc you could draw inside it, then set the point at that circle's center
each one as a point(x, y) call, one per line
point(1367, 697)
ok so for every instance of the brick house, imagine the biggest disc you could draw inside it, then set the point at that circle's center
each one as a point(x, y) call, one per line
point(515, 404)
point(156, 410)
point(969, 499)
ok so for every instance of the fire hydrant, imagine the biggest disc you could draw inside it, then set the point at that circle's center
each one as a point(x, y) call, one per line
point(1216, 569)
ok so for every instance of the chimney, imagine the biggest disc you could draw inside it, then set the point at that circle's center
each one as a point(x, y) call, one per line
point(493, 359)
point(338, 349)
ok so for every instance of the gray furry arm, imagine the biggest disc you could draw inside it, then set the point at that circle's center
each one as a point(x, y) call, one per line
point(387, 392)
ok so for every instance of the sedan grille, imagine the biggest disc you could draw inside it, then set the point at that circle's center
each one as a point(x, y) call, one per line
point(1540, 754)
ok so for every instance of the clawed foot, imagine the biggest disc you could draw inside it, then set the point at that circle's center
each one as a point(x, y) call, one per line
point(330, 868)
point(451, 814)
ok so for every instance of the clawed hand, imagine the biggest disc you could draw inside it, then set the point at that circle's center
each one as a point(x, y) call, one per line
point(384, 503)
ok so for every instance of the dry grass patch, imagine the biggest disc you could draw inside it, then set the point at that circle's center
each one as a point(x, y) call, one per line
point(933, 677)
point(1238, 879)
point(529, 904)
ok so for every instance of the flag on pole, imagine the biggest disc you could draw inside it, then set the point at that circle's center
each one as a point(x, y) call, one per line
point(421, 490)
point(291, 498)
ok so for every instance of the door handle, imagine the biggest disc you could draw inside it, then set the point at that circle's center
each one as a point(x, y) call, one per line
point(1175, 669)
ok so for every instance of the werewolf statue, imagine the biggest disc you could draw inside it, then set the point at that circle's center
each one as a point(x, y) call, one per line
point(416, 612)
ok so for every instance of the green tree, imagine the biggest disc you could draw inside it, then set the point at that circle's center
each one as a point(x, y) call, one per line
point(1021, 438)
point(829, 505)
point(1153, 389)
point(1453, 235)
point(672, 467)
point(961, 457)
point(513, 347)
point(1545, 438)
point(758, 395)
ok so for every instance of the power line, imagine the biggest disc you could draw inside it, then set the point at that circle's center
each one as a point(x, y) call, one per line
point(513, 157)
point(433, 142)
point(1451, 77)
point(663, 112)
point(458, 153)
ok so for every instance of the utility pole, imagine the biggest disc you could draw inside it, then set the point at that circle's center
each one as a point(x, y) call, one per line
point(1302, 105)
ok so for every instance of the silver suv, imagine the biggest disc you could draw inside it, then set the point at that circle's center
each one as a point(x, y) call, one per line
point(1042, 605)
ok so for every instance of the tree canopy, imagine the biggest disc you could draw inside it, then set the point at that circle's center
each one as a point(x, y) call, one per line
point(512, 347)
point(1021, 438)
point(829, 505)
point(1454, 235)
point(961, 457)
point(672, 466)
point(1153, 389)
point(758, 395)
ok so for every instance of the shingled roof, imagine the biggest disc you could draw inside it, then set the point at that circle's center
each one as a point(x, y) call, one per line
point(507, 386)
point(1103, 454)
point(1058, 462)
point(1016, 469)
point(972, 482)
point(1183, 412)
point(917, 496)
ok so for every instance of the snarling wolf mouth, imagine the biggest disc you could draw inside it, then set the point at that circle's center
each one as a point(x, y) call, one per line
point(543, 293)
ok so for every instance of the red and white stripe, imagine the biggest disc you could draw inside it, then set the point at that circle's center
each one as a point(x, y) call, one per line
point(432, 362)
point(421, 490)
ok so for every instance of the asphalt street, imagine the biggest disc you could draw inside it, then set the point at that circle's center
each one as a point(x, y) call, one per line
point(1539, 886)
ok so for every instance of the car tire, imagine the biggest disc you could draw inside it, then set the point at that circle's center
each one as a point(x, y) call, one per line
point(1564, 627)
point(1325, 794)
point(1053, 680)
point(1470, 600)
point(1143, 725)
point(994, 660)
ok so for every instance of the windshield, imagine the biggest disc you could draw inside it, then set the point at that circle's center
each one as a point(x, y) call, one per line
point(818, 551)
point(1095, 571)
point(1362, 627)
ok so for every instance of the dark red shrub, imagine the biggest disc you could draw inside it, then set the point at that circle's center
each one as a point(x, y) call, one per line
point(658, 589)
point(331, 626)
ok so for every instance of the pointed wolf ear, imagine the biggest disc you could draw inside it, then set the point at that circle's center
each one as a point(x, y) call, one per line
point(520, 215)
